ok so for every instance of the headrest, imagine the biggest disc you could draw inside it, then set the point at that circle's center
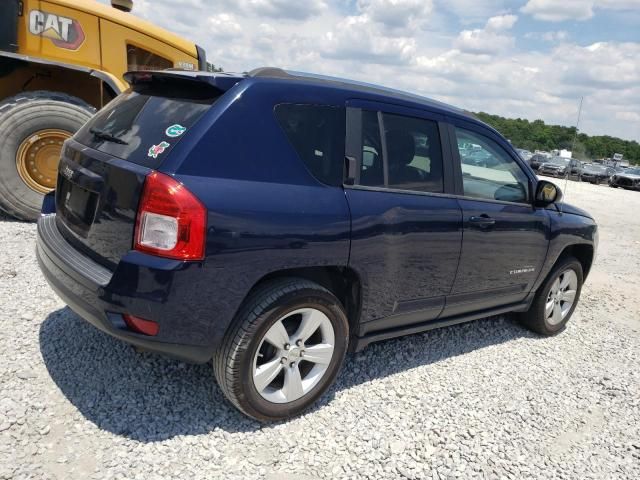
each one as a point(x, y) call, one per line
point(401, 147)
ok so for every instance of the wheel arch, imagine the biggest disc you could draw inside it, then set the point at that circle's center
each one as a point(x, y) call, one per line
point(21, 73)
point(343, 282)
point(583, 252)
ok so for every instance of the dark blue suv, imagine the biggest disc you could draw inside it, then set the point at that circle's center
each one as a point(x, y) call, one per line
point(272, 221)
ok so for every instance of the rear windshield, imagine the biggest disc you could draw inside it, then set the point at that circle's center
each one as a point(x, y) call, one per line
point(142, 128)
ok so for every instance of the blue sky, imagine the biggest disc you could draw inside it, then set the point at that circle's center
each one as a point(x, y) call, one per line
point(517, 58)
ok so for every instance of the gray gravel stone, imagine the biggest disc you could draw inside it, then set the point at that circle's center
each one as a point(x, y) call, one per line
point(482, 400)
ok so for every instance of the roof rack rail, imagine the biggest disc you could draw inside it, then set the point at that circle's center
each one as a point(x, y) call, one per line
point(279, 73)
point(270, 72)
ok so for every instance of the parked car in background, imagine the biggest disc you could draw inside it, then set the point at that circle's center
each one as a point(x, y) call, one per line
point(594, 173)
point(630, 179)
point(524, 154)
point(348, 218)
point(536, 160)
point(555, 167)
point(575, 166)
point(474, 157)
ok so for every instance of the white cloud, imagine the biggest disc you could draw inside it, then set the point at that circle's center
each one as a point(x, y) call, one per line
point(613, 66)
point(396, 14)
point(224, 26)
point(551, 36)
point(558, 11)
point(356, 38)
point(283, 8)
point(628, 116)
point(472, 10)
point(489, 40)
point(278, 9)
point(482, 69)
point(483, 42)
point(501, 22)
point(562, 10)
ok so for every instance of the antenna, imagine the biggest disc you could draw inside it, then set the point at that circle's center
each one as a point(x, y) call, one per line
point(573, 148)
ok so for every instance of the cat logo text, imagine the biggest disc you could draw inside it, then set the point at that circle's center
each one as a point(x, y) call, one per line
point(64, 32)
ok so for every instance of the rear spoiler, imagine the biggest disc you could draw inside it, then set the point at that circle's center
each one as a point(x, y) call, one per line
point(182, 79)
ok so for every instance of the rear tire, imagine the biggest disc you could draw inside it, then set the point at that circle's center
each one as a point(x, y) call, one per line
point(23, 118)
point(556, 299)
point(268, 365)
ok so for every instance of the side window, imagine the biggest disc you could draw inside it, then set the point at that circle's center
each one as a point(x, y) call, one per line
point(372, 172)
point(488, 171)
point(414, 154)
point(317, 134)
point(141, 59)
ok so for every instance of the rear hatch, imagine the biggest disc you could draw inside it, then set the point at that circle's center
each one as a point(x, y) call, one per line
point(103, 167)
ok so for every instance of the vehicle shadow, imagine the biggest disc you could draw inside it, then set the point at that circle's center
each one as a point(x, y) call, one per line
point(5, 217)
point(148, 397)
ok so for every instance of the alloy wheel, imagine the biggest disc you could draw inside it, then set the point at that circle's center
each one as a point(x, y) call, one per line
point(293, 355)
point(561, 297)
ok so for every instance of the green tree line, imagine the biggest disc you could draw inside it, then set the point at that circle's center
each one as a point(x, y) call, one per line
point(537, 135)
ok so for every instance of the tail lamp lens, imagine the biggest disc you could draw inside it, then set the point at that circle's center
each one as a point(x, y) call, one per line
point(171, 221)
point(140, 325)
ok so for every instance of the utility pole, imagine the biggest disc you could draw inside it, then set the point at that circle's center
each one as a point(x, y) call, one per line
point(575, 137)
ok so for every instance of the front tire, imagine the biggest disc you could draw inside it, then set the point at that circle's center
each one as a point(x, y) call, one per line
point(33, 126)
point(284, 349)
point(556, 299)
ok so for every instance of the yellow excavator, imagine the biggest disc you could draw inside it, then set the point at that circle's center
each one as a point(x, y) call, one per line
point(60, 61)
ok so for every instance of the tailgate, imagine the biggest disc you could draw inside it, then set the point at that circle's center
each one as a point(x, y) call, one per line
point(96, 202)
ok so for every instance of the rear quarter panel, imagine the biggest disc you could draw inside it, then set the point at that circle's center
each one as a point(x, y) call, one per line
point(266, 211)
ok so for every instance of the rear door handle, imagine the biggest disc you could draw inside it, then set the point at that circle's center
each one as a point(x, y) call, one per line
point(483, 221)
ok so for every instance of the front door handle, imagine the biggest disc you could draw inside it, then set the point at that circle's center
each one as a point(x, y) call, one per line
point(482, 221)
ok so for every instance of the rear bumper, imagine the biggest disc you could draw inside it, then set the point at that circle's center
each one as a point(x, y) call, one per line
point(97, 295)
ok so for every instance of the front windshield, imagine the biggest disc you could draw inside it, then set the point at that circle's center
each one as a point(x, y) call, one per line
point(594, 168)
point(633, 171)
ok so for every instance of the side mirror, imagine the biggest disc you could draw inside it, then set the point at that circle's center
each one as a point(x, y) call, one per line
point(547, 193)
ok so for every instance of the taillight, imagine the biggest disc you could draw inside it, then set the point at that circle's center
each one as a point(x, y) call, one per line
point(171, 221)
point(140, 325)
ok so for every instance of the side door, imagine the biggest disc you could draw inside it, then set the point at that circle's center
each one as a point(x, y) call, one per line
point(505, 238)
point(406, 224)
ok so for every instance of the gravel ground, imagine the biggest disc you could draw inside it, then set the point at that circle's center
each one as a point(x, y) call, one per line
point(482, 400)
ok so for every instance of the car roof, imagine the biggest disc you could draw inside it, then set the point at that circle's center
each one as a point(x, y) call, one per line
point(351, 87)
point(355, 86)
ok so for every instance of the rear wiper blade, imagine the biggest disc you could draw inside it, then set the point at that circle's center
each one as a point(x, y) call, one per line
point(107, 136)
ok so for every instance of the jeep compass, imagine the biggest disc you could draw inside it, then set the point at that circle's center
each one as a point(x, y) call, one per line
point(270, 222)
